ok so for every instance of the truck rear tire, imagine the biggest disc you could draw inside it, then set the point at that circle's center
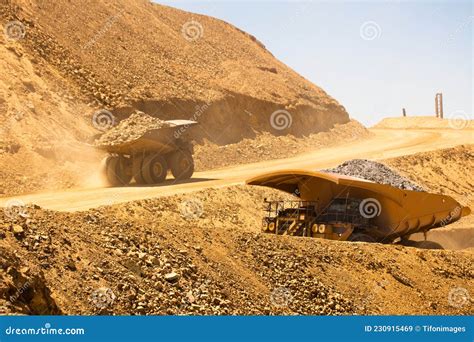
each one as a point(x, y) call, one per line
point(154, 168)
point(118, 170)
point(182, 164)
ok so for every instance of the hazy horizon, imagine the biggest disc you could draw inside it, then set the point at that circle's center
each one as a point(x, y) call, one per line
point(373, 57)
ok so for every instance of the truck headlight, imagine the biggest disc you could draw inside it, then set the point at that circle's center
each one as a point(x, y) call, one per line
point(322, 228)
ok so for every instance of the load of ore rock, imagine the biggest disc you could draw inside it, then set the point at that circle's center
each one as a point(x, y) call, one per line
point(130, 129)
point(375, 172)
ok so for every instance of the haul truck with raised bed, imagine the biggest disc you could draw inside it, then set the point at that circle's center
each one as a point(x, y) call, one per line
point(149, 157)
point(337, 207)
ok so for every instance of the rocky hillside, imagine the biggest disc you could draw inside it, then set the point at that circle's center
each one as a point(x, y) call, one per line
point(130, 54)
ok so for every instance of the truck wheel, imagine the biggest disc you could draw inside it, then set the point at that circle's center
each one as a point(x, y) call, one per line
point(118, 170)
point(154, 169)
point(137, 169)
point(182, 164)
point(361, 237)
point(424, 244)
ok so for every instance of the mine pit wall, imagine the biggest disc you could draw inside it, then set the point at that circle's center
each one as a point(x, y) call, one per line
point(237, 116)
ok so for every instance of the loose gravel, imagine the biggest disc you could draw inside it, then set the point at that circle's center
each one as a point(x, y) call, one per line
point(375, 172)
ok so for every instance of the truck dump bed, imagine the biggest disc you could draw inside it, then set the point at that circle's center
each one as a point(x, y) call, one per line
point(400, 212)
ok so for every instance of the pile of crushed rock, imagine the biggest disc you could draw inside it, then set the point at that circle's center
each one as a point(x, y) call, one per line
point(130, 129)
point(375, 172)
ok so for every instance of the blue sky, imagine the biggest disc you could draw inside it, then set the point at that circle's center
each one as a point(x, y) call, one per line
point(418, 48)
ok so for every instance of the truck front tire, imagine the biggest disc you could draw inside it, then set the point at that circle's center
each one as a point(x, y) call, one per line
point(182, 164)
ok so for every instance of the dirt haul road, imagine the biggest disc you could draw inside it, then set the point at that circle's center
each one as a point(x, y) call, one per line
point(385, 143)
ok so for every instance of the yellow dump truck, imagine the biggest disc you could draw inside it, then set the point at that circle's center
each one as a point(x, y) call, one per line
point(148, 158)
point(338, 207)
